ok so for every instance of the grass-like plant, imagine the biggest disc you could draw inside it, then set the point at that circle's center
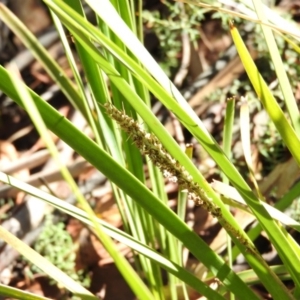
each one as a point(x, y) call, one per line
point(113, 50)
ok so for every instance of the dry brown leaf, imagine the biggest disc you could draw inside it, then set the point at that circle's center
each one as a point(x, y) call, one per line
point(281, 178)
point(9, 153)
point(32, 14)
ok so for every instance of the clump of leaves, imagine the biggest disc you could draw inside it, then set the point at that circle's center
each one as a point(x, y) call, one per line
point(56, 244)
point(168, 24)
point(271, 148)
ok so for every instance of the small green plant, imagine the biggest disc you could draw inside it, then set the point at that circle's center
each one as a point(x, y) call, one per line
point(56, 244)
point(168, 24)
